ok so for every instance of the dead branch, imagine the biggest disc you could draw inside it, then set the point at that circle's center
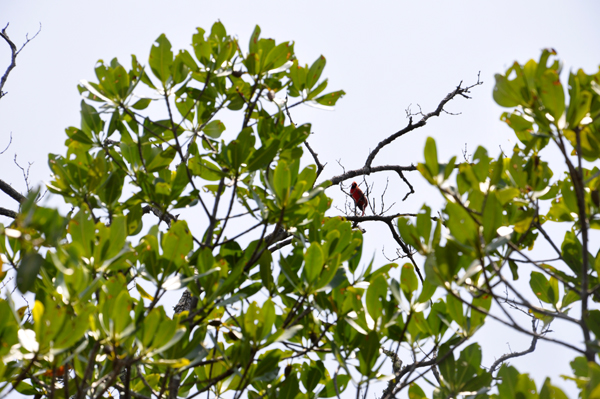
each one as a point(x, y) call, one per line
point(7, 147)
point(14, 194)
point(459, 91)
point(8, 213)
point(367, 170)
point(511, 355)
point(14, 53)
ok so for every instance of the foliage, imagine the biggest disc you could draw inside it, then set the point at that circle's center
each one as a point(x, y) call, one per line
point(498, 210)
point(271, 311)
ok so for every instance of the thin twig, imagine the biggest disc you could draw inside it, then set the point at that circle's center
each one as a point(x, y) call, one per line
point(14, 53)
point(531, 348)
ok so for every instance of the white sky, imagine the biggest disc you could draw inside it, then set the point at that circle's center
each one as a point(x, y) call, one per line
point(385, 55)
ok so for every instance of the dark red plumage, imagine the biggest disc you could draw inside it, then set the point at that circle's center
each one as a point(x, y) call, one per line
point(360, 199)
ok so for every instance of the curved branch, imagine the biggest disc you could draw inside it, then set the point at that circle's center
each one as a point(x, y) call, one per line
point(14, 53)
point(459, 91)
point(531, 348)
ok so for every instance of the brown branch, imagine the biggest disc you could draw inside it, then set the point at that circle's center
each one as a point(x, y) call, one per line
point(578, 184)
point(315, 156)
point(381, 218)
point(14, 53)
point(213, 217)
point(162, 216)
point(367, 170)
point(23, 373)
point(88, 371)
point(228, 216)
point(516, 326)
point(281, 244)
point(531, 348)
point(14, 194)
point(459, 91)
point(211, 382)
point(405, 249)
point(8, 213)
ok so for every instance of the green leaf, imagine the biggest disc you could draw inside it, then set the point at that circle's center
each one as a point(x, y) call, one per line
point(506, 92)
point(266, 272)
point(552, 93)
point(313, 259)
point(572, 252)
point(492, 217)
point(205, 169)
point(267, 363)
point(282, 180)
point(177, 242)
point(448, 364)
point(263, 156)
point(330, 99)
point(455, 309)
point(162, 160)
point(579, 101)
point(484, 302)
point(110, 191)
point(290, 386)
point(83, 231)
point(28, 271)
point(468, 364)
point(26, 389)
point(278, 56)
point(408, 280)
point(214, 129)
point(161, 59)
point(311, 375)
point(142, 103)
point(376, 297)
point(549, 391)
point(79, 136)
point(369, 352)
point(254, 39)
point(424, 223)
point(90, 120)
point(541, 287)
point(118, 235)
point(340, 381)
point(415, 392)
point(314, 73)
point(431, 159)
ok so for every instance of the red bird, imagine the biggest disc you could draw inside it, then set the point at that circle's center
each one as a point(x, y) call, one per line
point(360, 199)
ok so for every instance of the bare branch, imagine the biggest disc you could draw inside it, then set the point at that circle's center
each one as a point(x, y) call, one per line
point(315, 156)
point(8, 145)
point(24, 171)
point(511, 355)
point(11, 192)
point(14, 53)
point(8, 213)
point(459, 91)
point(367, 170)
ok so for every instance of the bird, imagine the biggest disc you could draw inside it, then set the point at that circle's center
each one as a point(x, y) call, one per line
point(360, 199)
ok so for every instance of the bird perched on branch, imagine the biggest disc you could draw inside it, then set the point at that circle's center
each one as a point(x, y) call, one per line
point(360, 199)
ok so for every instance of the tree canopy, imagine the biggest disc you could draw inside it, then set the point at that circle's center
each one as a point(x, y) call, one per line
point(278, 300)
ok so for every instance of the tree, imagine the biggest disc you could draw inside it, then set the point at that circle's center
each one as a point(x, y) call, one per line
point(278, 302)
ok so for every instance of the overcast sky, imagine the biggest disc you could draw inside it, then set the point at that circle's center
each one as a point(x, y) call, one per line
point(385, 55)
